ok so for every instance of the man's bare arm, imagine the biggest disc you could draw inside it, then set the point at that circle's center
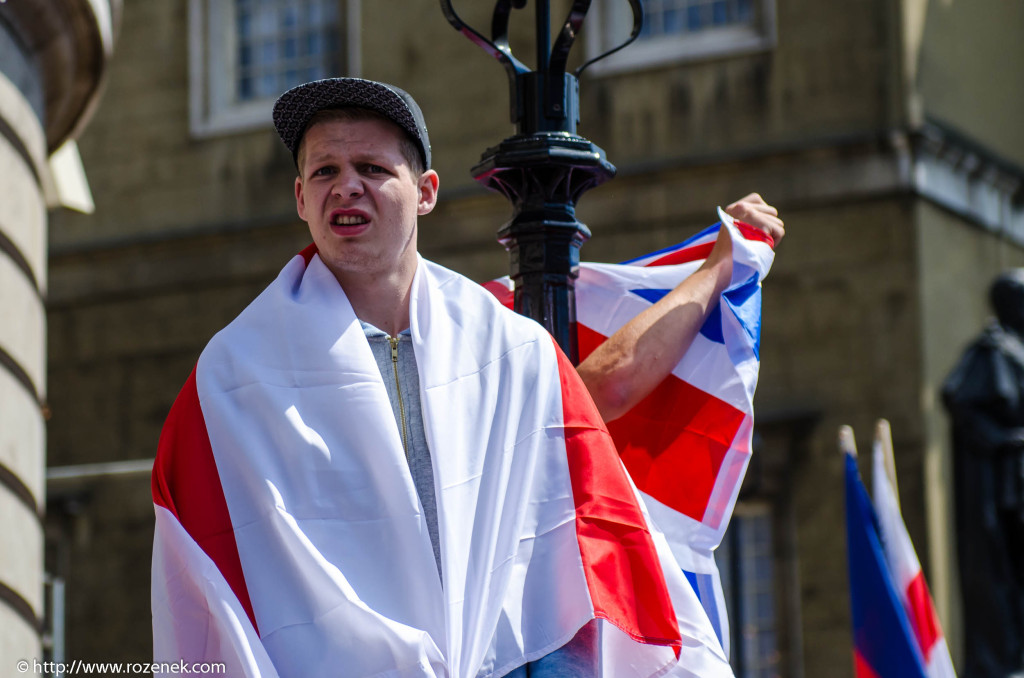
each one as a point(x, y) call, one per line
point(634, 360)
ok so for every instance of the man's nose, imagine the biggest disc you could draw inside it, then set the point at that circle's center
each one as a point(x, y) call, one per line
point(347, 184)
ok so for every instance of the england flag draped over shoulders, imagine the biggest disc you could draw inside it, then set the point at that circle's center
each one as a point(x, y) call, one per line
point(687, 444)
point(291, 540)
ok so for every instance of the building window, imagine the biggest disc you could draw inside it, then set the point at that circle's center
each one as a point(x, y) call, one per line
point(679, 17)
point(746, 563)
point(681, 30)
point(245, 53)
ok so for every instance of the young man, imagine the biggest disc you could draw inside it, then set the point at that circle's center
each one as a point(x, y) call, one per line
point(376, 470)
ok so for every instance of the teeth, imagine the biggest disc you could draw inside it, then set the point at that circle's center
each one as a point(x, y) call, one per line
point(348, 221)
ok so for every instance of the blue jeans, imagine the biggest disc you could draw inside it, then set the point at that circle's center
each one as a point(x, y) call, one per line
point(576, 659)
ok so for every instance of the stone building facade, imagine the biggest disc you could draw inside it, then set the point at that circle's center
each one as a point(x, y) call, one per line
point(882, 129)
point(53, 57)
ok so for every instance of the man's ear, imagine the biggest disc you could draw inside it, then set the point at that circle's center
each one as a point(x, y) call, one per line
point(300, 199)
point(427, 185)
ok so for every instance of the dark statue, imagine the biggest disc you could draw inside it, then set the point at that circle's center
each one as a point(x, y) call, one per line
point(985, 397)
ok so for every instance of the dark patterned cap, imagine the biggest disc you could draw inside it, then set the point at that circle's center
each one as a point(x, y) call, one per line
point(296, 107)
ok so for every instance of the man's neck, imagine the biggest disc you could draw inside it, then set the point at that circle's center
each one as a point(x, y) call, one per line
point(382, 302)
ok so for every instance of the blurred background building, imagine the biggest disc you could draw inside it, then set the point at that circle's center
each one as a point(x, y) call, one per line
point(53, 60)
point(884, 130)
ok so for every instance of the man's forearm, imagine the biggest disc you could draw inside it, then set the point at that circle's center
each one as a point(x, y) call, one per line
point(634, 360)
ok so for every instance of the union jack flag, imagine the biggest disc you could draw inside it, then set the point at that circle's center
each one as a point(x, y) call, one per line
point(687, 444)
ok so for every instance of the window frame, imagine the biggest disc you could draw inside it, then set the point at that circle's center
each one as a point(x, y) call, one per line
point(730, 559)
point(212, 69)
point(645, 53)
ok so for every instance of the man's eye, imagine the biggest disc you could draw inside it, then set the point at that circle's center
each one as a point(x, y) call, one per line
point(375, 169)
point(323, 171)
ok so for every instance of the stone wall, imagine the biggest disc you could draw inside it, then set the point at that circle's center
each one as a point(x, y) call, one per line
point(963, 69)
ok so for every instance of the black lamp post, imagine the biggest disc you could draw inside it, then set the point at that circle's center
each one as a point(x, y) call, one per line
point(545, 167)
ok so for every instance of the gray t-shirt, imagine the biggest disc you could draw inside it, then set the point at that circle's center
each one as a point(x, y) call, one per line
point(397, 363)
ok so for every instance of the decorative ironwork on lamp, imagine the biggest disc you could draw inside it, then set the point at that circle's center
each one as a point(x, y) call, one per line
point(546, 166)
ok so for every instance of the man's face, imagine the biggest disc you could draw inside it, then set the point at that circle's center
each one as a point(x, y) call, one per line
point(361, 199)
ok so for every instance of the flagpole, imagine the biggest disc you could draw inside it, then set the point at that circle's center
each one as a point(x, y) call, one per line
point(847, 442)
point(883, 440)
point(546, 167)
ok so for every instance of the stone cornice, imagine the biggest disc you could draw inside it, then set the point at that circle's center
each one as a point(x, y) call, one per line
point(933, 161)
point(949, 169)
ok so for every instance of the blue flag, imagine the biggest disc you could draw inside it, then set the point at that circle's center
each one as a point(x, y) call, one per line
point(883, 641)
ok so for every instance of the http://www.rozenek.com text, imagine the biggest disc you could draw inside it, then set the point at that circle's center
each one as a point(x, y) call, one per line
point(79, 667)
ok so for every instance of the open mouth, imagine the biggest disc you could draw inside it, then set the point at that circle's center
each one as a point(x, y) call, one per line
point(348, 220)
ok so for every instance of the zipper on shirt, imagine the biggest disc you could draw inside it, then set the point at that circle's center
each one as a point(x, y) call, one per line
point(398, 387)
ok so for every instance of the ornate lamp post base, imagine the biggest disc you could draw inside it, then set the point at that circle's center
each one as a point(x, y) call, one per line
point(544, 174)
